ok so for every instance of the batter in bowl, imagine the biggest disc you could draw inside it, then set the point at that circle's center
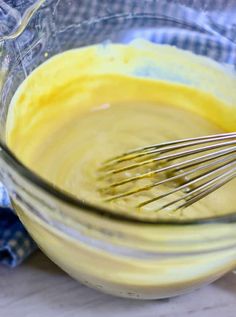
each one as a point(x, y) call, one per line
point(87, 105)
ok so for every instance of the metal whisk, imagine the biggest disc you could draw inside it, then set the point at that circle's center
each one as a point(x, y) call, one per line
point(190, 169)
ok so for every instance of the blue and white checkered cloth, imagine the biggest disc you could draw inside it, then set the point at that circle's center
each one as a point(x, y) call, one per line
point(15, 243)
point(211, 33)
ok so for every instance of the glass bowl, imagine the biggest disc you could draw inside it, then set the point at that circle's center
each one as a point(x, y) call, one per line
point(115, 253)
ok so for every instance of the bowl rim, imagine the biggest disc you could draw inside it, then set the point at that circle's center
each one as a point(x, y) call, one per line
point(66, 198)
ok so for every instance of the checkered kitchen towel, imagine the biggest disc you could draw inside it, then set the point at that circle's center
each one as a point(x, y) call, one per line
point(15, 243)
point(211, 33)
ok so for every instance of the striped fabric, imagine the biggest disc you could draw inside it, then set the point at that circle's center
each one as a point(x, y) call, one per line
point(204, 27)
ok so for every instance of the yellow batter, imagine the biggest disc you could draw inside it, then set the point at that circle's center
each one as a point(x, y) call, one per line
point(86, 105)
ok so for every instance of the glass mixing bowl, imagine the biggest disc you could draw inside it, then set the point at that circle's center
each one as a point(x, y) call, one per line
point(108, 251)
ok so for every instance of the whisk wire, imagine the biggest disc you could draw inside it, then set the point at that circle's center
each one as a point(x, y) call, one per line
point(192, 182)
point(184, 164)
point(168, 146)
point(196, 168)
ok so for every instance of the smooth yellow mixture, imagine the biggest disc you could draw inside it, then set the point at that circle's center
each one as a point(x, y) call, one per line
point(87, 105)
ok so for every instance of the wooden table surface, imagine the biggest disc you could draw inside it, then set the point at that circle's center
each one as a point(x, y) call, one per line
point(38, 288)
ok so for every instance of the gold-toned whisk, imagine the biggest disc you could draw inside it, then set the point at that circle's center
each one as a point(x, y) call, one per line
point(189, 170)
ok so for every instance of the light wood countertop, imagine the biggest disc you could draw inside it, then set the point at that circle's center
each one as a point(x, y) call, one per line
point(38, 288)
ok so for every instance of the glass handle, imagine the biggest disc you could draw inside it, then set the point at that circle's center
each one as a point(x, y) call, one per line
point(12, 22)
